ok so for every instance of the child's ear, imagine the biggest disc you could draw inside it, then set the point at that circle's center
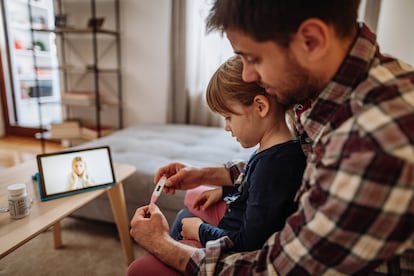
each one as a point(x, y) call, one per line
point(262, 105)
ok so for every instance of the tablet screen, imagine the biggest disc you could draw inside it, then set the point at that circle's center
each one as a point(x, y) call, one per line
point(70, 172)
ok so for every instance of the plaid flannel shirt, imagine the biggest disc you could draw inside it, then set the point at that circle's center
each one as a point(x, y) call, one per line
point(356, 212)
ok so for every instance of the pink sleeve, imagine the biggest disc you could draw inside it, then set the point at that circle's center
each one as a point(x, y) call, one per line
point(213, 214)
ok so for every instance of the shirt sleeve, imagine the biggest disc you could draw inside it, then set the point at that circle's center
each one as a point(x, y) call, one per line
point(228, 190)
point(270, 202)
point(215, 260)
point(266, 201)
point(208, 232)
point(335, 231)
point(236, 169)
point(352, 220)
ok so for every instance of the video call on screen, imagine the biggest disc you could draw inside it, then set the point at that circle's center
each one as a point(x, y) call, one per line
point(58, 170)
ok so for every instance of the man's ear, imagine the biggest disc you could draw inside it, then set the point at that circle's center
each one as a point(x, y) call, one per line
point(312, 40)
point(262, 105)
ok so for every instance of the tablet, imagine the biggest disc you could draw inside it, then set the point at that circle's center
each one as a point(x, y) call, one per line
point(67, 173)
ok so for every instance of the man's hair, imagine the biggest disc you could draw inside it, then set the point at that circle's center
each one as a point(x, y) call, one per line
point(278, 20)
point(227, 84)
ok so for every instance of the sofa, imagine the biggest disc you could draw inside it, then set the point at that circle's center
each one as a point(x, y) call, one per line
point(149, 147)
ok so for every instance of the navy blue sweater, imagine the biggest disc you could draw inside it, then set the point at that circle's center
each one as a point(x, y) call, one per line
point(265, 199)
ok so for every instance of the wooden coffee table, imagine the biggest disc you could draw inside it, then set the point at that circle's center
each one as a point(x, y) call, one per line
point(43, 215)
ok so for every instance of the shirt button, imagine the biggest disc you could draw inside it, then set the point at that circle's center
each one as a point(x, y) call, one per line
point(299, 107)
point(308, 140)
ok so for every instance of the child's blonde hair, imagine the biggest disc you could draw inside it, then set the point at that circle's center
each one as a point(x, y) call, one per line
point(76, 159)
point(227, 84)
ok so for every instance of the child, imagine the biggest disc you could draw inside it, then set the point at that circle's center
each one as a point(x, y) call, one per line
point(264, 199)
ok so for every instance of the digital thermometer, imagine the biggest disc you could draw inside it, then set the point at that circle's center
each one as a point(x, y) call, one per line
point(158, 189)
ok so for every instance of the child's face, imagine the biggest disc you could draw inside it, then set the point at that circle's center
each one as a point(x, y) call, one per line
point(79, 167)
point(243, 125)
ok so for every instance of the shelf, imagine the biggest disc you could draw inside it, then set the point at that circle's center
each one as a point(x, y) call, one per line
point(48, 136)
point(82, 70)
point(91, 133)
point(92, 105)
point(42, 100)
point(30, 53)
point(91, 76)
point(84, 99)
point(32, 77)
point(70, 30)
point(27, 27)
point(33, 3)
point(85, 134)
point(78, 98)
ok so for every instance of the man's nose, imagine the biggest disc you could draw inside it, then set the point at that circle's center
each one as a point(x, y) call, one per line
point(249, 73)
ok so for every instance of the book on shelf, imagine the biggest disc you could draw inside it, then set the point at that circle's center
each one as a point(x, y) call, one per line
point(65, 129)
point(91, 132)
point(78, 98)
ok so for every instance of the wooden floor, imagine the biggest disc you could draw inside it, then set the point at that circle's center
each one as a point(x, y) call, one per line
point(16, 149)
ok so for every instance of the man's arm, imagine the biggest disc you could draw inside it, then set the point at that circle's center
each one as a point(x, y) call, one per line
point(171, 252)
point(346, 224)
point(149, 228)
point(311, 242)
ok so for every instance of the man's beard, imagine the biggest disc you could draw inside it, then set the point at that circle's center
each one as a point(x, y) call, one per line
point(299, 85)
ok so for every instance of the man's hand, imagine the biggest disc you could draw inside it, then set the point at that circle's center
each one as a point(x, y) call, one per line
point(190, 228)
point(184, 177)
point(207, 198)
point(148, 226)
point(180, 177)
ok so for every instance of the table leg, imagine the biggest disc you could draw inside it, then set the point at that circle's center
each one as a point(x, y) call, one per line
point(117, 200)
point(57, 235)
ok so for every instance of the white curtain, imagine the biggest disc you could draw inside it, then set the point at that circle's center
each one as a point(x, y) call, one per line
point(196, 55)
point(369, 12)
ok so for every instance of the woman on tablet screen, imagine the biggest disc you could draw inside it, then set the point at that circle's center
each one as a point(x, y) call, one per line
point(79, 178)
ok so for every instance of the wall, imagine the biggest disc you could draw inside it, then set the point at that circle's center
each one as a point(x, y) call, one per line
point(146, 60)
point(146, 53)
point(394, 31)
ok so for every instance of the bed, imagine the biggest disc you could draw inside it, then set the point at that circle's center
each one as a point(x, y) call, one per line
point(149, 147)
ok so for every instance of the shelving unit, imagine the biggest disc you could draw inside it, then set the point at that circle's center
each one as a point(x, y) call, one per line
point(47, 65)
point(34, 89)
point(89, 65)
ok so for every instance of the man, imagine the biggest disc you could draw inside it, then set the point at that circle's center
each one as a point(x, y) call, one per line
point(355, 115)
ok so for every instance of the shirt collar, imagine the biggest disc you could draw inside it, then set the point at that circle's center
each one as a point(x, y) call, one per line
point(353, 69)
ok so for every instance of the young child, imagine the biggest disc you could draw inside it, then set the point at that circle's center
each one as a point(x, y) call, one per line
point(264, 199)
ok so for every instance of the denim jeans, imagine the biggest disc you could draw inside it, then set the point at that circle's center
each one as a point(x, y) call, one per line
point(175, 231)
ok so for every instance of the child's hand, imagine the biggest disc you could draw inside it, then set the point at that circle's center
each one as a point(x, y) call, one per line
point(207, 198)
point(190, 227)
